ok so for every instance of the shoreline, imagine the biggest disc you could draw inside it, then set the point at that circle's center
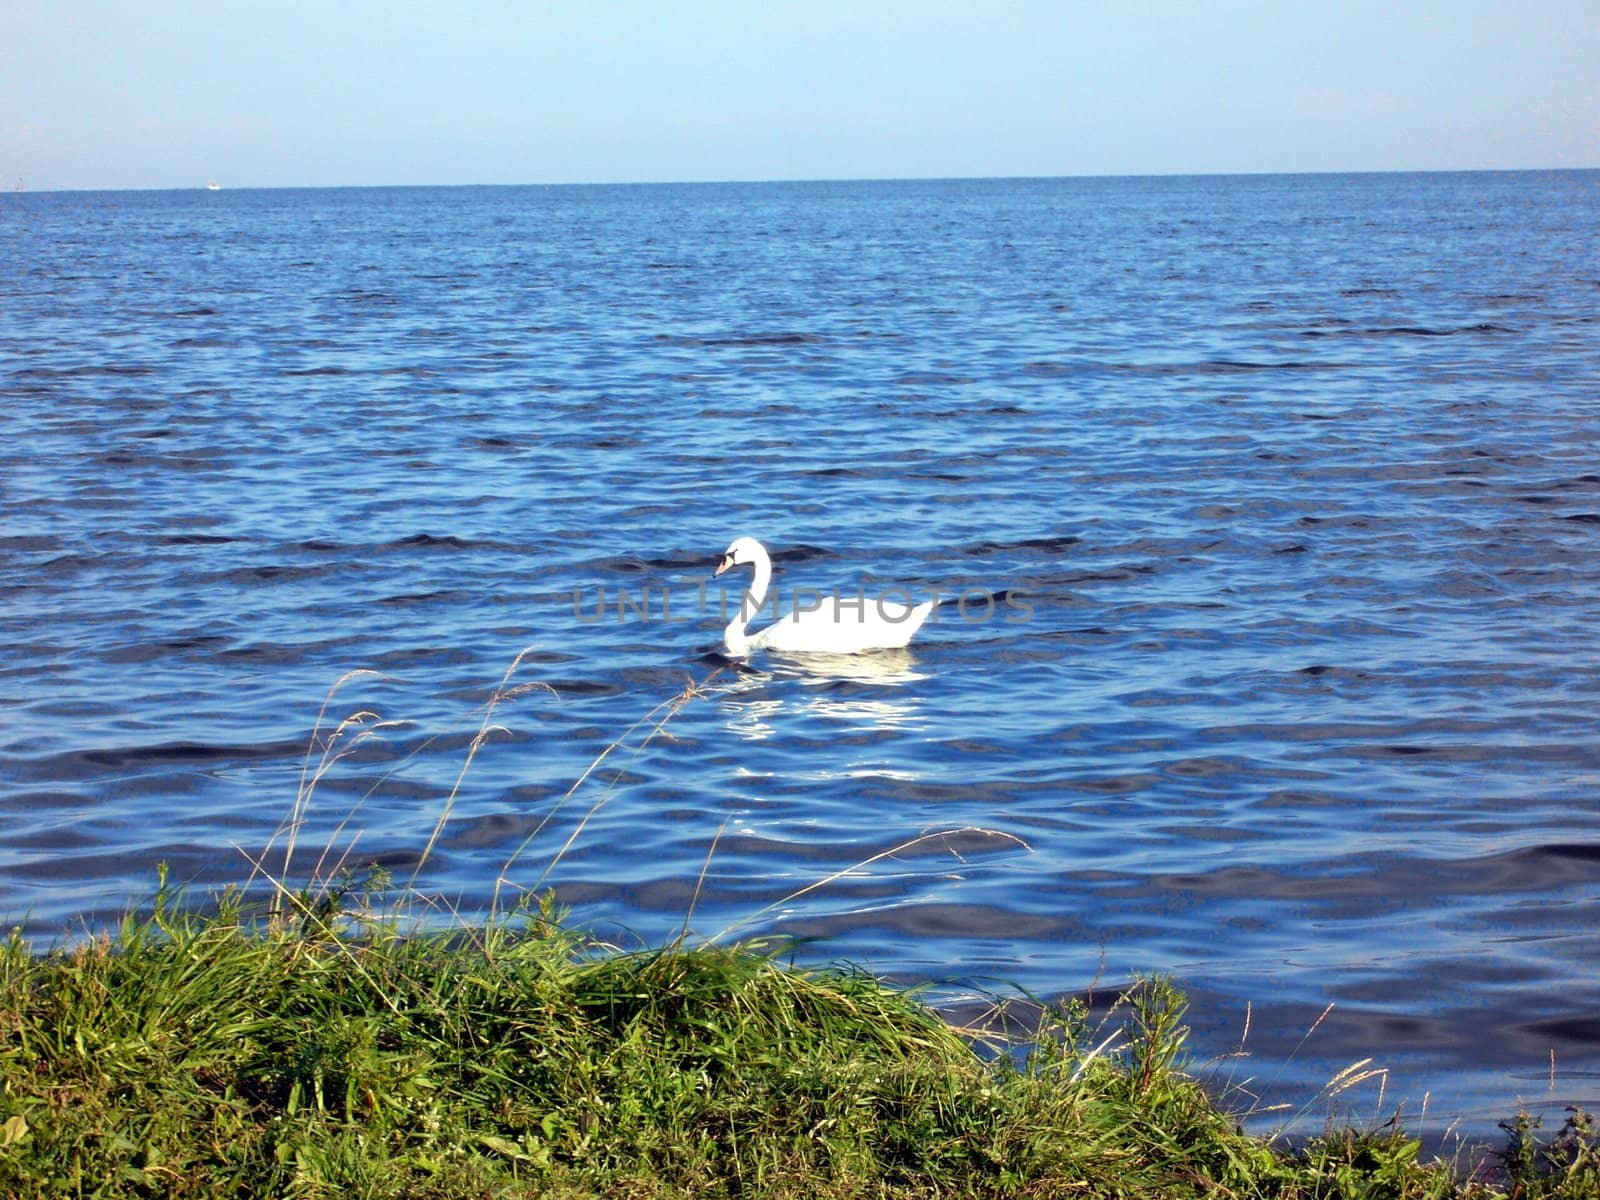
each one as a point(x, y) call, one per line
point(338, 1047)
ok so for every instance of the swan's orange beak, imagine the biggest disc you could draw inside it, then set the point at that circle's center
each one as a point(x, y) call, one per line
point(727, 561)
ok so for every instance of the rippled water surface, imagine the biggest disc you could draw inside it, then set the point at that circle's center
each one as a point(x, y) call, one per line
point(1266, 511)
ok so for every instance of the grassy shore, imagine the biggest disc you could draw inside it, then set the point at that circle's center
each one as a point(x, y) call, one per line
point(342, 1052)
point(334, 1044)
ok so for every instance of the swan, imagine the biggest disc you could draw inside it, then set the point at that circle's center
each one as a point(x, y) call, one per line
point(837, 625)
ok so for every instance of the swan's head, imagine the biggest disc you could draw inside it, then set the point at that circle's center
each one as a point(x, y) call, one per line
point(745, 551)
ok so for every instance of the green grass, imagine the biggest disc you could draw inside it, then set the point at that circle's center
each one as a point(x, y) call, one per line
point(347, 1053)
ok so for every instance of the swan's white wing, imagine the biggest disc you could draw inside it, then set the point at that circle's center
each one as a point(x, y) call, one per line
point(845, 628)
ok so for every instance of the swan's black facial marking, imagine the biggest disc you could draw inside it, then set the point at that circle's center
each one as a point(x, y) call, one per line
point(742, 553)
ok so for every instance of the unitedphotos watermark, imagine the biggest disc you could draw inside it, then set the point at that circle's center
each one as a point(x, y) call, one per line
point(658, 603)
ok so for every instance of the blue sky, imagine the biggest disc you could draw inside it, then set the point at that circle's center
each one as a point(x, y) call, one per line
point(176, 93)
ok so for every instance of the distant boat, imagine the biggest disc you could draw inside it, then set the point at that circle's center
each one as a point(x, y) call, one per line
point(213, 187)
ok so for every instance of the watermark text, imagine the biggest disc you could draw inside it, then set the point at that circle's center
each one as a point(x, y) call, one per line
point(652, 603)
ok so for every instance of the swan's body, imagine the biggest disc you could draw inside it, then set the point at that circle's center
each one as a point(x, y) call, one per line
point(839, 624)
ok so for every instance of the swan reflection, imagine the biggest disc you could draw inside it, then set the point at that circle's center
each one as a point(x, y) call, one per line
point(859, 691)
point(881, 667)
point(751, 717)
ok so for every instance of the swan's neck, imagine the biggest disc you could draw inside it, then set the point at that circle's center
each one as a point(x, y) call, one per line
point(735, 635)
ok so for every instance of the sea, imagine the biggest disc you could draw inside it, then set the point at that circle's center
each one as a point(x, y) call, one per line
point(344, 528)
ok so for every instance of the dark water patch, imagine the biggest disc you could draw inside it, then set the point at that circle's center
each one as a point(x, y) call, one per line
point(744, 340)
point(1205, 367)
point(1580, 1032)
point(155, 757)
point(568, 686)
point(1047, 545)
point(1530, 869)
point(422, 658)
point(30, 804)
point(143, 652)
point(266, 573)
point(431, 541)
point(843, 472)
point(30, 544)
point(409, 599)
point(1117, 574)
point(935, 379)
point(934, 921)
point(364, 299)
point(73, 562)
point(191, 864)
point(195, 539)
point(501, 831)
point(87, 370)
point(1408, 331)
point(655, 566)
point(269, 654)
point(1566, 860)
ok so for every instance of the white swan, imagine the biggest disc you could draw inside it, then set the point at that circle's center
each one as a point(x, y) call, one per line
point(837, 624)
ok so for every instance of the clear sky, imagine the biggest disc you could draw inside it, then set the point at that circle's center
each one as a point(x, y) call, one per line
point(177, 93)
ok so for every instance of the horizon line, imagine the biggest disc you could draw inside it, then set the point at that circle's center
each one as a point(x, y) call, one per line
point(210, 185)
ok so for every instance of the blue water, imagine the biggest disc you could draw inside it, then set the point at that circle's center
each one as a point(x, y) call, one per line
point(1266, 510)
